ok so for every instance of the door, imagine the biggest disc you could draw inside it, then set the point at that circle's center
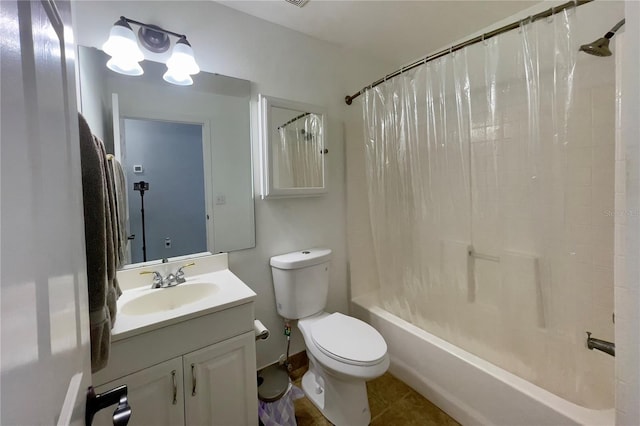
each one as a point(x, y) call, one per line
point(155, 392)
point(44, 331)
point(220, 383)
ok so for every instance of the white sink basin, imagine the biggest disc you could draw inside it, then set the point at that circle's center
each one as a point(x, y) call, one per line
point(211, 288)
point(168, 299)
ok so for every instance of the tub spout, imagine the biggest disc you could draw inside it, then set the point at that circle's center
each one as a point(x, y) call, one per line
point(601, 345)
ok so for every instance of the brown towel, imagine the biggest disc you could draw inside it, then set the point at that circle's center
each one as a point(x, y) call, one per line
point(113, 289)
point(114, 213)
point(121, 209)
point(95, 229)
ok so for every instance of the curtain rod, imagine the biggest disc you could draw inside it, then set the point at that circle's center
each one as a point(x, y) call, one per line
point(294, 119)
point(478, 39)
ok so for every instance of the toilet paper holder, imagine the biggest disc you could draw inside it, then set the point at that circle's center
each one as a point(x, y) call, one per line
point(261, 332)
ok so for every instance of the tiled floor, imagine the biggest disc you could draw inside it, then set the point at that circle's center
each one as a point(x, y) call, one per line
point(392, 403)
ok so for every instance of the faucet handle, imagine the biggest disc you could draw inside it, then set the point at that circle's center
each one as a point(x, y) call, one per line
point(180, 273)
point(157, 278)
point(185, 266)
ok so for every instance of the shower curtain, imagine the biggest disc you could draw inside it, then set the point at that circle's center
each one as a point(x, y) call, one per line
point(299, 156)
point(490, 185)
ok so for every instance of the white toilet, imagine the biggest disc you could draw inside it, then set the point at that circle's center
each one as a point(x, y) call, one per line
point(344, 352)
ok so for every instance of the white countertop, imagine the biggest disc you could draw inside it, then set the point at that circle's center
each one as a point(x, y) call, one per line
point(227, 291)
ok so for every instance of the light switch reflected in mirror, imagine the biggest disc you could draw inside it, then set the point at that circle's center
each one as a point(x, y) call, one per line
point(293, 147)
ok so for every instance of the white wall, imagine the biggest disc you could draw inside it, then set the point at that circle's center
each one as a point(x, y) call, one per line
point(627, 294)
point(91, 92)
point(281, 63)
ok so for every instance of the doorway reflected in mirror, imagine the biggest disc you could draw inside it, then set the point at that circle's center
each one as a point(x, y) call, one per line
point(168, 156)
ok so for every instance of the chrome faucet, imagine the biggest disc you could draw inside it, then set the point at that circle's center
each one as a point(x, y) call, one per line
point(170, 280)
point(180, 274)
point(157, 278)
point(601, 345)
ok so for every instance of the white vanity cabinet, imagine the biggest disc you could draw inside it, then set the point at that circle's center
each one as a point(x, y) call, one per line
point(155, 392)
point(184, 361)
point(213, 386)
point(201, 371)
point(220, 383)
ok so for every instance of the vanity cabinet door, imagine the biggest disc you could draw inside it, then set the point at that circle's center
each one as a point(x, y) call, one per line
point(220, 383)
point(155, 394)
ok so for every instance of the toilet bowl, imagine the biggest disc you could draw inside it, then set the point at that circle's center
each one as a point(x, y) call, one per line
point(343, 351)
point(345, 346)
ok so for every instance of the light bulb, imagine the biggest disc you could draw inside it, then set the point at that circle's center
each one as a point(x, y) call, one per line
point(123, 48)
point(179, 79)
point(123, 66)
point(182, 61)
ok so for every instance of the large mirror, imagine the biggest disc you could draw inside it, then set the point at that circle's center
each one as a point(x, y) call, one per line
point(185, 153)
point(293, 148)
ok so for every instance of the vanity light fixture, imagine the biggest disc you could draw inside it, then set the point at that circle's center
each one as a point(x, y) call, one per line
point(125, 53)
point(123, 48)
point(181, 65)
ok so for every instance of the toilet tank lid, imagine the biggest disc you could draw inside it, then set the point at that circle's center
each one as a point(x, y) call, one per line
point(301, 259)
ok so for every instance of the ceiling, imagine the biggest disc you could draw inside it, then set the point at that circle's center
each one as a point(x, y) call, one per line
point(392, 31)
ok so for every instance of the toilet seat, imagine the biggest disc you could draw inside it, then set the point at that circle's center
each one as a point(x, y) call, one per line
point(348, 340)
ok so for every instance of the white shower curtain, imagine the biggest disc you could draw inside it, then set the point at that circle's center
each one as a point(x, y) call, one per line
point(490, 172)
point(299, 153)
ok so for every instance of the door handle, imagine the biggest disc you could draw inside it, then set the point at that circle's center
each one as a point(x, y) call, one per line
point(97, 402)
point(193, 380)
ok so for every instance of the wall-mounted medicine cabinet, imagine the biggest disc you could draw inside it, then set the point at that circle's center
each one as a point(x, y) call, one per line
point(293, 148)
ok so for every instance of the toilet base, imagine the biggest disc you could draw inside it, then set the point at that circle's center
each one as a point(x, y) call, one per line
point(342, 402)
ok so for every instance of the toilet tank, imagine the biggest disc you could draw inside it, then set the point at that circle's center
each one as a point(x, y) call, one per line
point(301, 282)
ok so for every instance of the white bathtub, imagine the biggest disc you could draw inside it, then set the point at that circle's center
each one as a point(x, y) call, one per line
point(468, 388)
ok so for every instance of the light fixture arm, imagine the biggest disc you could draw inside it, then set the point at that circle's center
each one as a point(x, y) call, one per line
point(152, 27)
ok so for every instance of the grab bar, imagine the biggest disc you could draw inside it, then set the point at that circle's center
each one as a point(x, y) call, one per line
point(471, 270)
point(483, 256)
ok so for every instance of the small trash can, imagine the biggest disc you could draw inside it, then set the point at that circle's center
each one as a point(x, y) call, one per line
point(276, 395)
